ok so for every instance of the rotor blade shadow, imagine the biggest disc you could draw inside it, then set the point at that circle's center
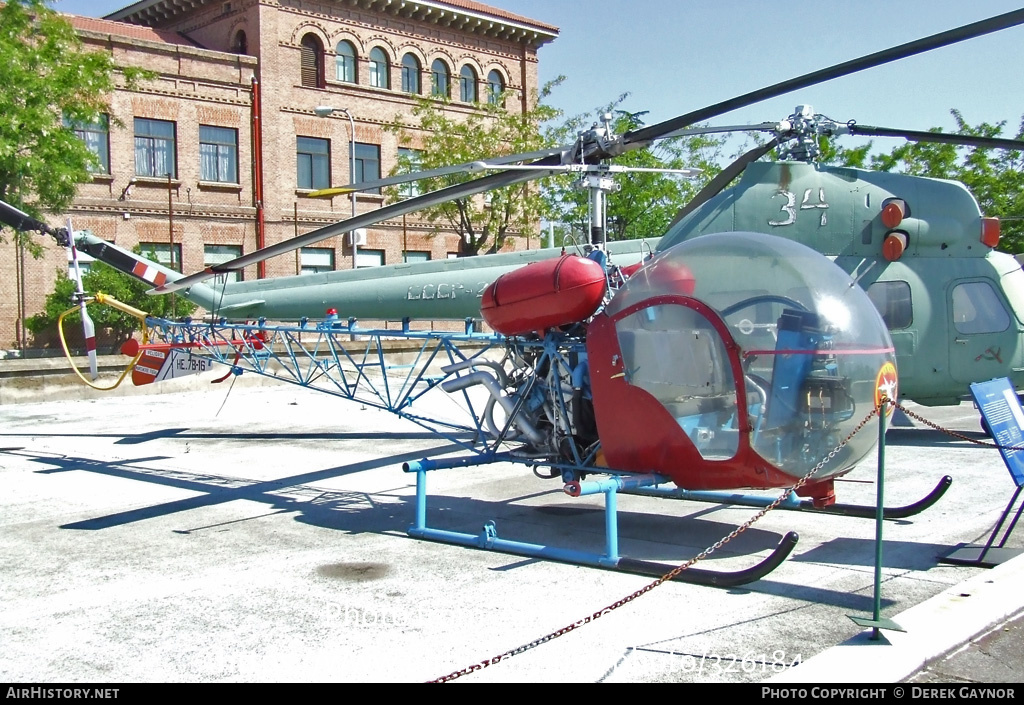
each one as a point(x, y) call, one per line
point(214, 489)
point(930, 438)
point(134, 439)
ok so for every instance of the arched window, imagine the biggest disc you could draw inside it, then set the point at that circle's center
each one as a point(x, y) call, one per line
point(240, 45)
point(467, 84)
point(345, 64)
point(495, 87)
point(312, 68)
point(410, 74)
point(439, 79)
point(379, 75)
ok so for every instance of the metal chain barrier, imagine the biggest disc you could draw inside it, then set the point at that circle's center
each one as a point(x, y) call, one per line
point(948, 432)
point(674, 572)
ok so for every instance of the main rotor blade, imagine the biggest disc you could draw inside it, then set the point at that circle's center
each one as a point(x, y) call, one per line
point(977, 29)
point(762, 127)
point(723, 178)
point(631, 140)
point(942, 137)
point(20, 220)
point(451, 193)
point(441, 171)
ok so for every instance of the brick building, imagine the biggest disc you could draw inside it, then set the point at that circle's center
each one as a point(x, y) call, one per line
point(216, 156)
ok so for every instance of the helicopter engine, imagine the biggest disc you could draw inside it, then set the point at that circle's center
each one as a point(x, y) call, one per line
point(542, 386)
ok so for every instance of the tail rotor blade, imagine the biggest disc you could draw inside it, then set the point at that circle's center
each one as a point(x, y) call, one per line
point(88, 327)
point(89, 331)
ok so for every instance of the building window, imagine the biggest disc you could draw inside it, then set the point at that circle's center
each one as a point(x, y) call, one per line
point(160, 252)
point(240, 45)
point(379, 74)
point(439, 79)
point(219, 254)
point(367, 164)
point(495, 87)
point(416, 256)
point(409, 161)
point(84, 264)
point(410, 74)
point(467, 84)
point(315, 260)
point(314, 163)
point(312, 62)
point(369, 258)
point(345, 64)
point(154, 148)
point(96, 136)
point(218, 154)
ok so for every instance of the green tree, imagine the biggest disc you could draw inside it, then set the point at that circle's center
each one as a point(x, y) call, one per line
point(994, 176)
point(105, 279)
point(645, 202)
point(484, 221)
point(49, 83)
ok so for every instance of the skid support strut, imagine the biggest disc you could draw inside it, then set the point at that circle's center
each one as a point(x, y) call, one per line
point(793, 503)
point(610, 486)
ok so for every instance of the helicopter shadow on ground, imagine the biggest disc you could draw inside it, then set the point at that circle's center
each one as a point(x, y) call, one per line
point(643, 536)
point(333, 508)
point(665, 539)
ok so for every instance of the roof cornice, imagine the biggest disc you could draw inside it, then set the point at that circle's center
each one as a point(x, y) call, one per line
point(461, 15)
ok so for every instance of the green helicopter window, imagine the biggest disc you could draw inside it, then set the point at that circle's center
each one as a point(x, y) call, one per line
point(977, 309)
point(893, 301)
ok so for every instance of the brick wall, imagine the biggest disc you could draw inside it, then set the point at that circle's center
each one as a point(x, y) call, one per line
point(213, 86)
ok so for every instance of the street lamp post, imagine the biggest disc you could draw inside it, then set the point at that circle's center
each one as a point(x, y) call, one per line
point(324, 111)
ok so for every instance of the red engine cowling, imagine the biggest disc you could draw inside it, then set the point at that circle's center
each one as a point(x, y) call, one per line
point(544, 295)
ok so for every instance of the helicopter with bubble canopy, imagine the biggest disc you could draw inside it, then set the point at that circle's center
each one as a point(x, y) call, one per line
point(731, 354)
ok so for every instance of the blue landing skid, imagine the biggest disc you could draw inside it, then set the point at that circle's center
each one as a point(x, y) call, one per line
point(792, 503)
point(610, 486)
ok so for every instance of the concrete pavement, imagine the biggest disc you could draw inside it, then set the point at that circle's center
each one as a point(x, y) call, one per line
point(259, 535)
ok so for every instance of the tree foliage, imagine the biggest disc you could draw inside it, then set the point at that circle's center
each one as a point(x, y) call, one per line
point(646, 202)
point(48, 78)
point(994, 176)
point(489, 130)
point(106, 279)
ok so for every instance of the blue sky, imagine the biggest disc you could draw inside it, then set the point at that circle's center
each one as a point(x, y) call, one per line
point(673, 56)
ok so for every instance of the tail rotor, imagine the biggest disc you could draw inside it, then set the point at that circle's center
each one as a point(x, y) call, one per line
point(88, 327)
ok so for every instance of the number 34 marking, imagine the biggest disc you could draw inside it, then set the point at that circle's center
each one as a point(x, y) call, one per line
point(790, 208)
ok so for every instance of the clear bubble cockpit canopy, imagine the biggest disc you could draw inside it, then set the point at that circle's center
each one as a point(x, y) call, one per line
point(813, 348)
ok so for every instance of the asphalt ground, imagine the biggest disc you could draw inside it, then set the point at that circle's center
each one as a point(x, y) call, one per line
point(260, 535)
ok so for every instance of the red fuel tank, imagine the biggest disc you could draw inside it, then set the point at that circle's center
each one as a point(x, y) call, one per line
point(543, 295)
